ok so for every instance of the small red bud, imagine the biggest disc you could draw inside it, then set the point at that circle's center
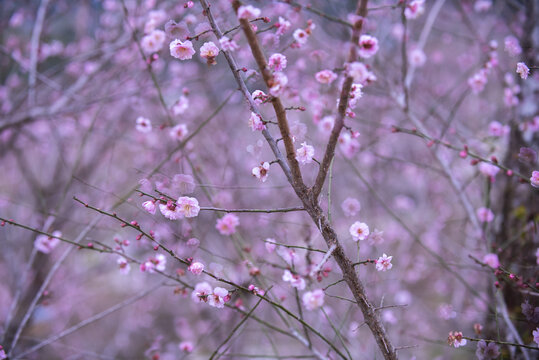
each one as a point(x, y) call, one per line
point(474, 162)
point(509, 173)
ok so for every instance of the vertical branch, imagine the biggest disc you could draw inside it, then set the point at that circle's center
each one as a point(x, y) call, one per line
point(343, 104)
point(34, 51)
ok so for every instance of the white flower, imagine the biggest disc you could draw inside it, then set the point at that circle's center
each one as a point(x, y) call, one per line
point(305, 154)
point(359, 231)
point(384, 263)
point(261, 171)
point(143, 125)
point(313, 299)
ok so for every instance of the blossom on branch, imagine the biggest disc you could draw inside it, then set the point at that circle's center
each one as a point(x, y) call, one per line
point(182, 50)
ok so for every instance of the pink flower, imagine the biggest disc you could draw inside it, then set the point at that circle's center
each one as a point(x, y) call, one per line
point(143, 125)
point(3, 354)
point(359, 231)
point(482, 5)
point(325, 76)
point(491, 260)
point(512, 46)
point(256, 123)
point(523, 70)
point(282, 26)
point(351, 206)
point(227, 224)
point(478, 81)
point(201, 292)
point(209, 51)
point(176, 30)
point(360, 73)
point(455, 339)
point(186, 346)
point(261, 171)
point(259, 96)
point(488, 169)
point(46, 244)
point(123, 265)
point(182, 50)
point(218, 297)
point(196, 268)
point(153, 264)
point(326, 124)
point(417, 58)
point(313, 299)
point(294, 279)
point(497, 129)
point(278, 84)
point(188, 206)
point(414, 9)
point(170, 211)
point(184, 183)
point(375, 238)
point(534, 180)
point(535, 334)
point(301, 36)
point(368, 46)
point(356, 93)
point(384, 263)
point(153, 42)
point(305, 154)
point(270, 245)
point(149, 206)
point(178, 132)
point(348, 145)
point(248, 12)
point(227, 44)
point(277, 62)
point(180, 106)
point(485, 215)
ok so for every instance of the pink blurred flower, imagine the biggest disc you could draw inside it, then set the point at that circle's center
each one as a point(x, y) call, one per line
point(261, 171)
point(201, 292)
point(196, 268)
point(414, 9)
point(156, 263)
point(181, 105)
point(46, 244)
point(326, 124)
point(368, 46)
point(182, 50)
point(534, 180)
point(359, 231)
point(153, 42)
point(295, 280)
point(313, 299)
point(384, 263)
point(282, 26)
point(376, 238)
point(512, 46)
point(304, 155)
point(417, 58)
point(301, 36)
point(478, 81)
point(218, 297)
point(255, 122)
point(523, 70)
point(123, 265)
point(277, 62)
point(143, 125)
point(491, 260)
point(186, 346)
point(360, 73)
point(278, 84)
point(149, 206)
point(248, 12)
point(351, 206)
point(184, 183)
point(325, 76)
point(228, 44)
point(488, 169)
point(535, 334)
point(485, 215)
point(497, 129)
point(270, 245)
point(227, 224)
point(455, 339)
point(178, 132)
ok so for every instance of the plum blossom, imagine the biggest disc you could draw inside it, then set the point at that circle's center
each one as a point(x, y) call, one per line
point(414, 9)
point(313, 300)
point(348, 145)
point(482, 5)
point(144, 125)
point(45, 243)
point(376, 237)
point(359, 231)
point(270, 245)
point(360, 73)
point(478, 81)
point(149, 206)
point(304, 155)
point(278, 84)
point(326, 124)
point(123, 265)
point(488, 169)
point(153, 42)
point(455, 339)
point(170, 211)
point(325, 76)
point(180, 106)
point(184, 183)
point(248, 12)
point(259, 96)
point(491, 260)
point(218, 297)
point(534, 180)
point(176, 30)
point(356, 93)
point(417, 58)
point(446, 312)
point(497, 129)
point(186, 346)
point(535, 334)
point(485, 215)
point(282, 26)
point(351, 206)
point(523, 70)
point(261, 171)
point(277, 62)
point(178, 132)
point(512, 46)
point(228, 44)
point(256, 123)
point(182, 50)
point(227, 224)
point(384, 263)
point(188, 206)
point(209, 51)
point(487, 351)
point(368, 46)
point(301, 36)
point(201, 292)
point(156, 263)
point(295, 280)
point(196, 268)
